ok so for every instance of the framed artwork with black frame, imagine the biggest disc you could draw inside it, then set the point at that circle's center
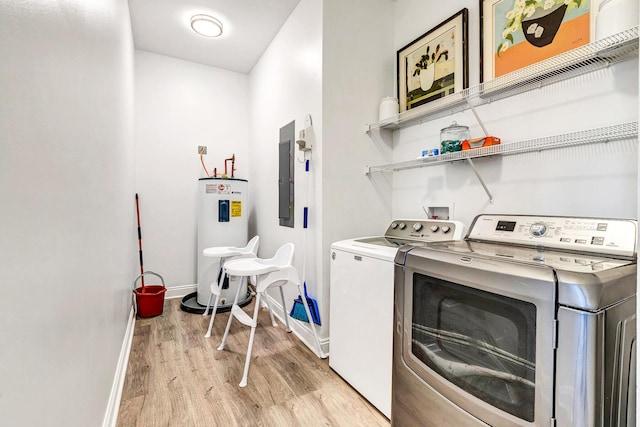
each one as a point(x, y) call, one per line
point(436, 64)
point(517, 33)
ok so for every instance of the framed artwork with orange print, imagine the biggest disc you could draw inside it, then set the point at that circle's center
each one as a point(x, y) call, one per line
point(517, 33)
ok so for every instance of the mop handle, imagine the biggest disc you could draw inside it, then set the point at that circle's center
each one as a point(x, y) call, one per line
point(140, 242)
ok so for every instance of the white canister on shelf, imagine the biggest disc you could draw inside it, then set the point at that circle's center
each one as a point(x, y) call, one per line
point(388, 107)
point(615, 16)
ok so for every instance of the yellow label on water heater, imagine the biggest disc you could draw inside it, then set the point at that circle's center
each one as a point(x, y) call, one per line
point(236, 208)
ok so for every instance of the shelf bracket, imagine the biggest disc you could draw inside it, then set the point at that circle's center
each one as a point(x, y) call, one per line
point(473, 167)
point(475, 114)
point(380, 136)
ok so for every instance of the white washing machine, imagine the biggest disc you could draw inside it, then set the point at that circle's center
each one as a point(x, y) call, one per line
point(361, 303)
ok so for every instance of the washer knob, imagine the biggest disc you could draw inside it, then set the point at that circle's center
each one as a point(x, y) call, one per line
point(394, 225)
point(434, 228)
point(402, 226)
point(446, 229)
point(417, 226)
point(538, 229)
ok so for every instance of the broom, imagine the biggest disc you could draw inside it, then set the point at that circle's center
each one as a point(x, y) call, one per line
point(297, 311)
point(140, 243)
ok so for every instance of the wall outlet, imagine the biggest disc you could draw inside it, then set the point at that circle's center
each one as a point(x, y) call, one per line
point(202, 149)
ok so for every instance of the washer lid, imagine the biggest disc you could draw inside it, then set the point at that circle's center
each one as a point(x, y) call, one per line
point(568, 261)
point(371, 250)
point(585, 281)
point(386, 241)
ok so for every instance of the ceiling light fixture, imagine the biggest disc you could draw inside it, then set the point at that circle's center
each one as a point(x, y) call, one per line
point(206, 25)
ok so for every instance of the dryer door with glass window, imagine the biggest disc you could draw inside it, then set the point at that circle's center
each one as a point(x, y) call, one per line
point(481, 333)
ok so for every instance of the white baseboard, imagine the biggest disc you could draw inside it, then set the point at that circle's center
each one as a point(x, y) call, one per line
point(113, 406)
point(180, 291)
point(300, 329)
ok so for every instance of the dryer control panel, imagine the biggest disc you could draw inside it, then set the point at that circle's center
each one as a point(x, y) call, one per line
point(596, 235)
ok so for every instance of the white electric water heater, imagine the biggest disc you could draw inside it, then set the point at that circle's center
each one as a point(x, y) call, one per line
point(222, 221)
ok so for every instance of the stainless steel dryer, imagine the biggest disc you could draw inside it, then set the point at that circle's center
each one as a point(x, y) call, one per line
point(530, 321)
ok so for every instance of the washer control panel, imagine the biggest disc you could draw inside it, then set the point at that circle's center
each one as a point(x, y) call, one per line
point(597, 235)
point(426, 230)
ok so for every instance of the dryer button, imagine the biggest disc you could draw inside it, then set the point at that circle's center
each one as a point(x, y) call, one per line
point(538, 229)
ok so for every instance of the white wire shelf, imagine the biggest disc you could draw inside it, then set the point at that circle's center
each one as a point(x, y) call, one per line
point(584, 59)
point(604, 134)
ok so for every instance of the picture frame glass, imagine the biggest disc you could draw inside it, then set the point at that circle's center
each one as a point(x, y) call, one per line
point(435, 65)
point(519, 33)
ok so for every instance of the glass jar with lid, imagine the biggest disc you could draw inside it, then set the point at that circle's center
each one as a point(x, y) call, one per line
point(452, 136)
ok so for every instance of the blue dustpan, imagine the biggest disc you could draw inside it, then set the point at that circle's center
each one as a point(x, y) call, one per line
point(298, 312)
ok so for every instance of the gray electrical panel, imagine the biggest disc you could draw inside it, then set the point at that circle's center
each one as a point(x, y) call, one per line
point(286, 164)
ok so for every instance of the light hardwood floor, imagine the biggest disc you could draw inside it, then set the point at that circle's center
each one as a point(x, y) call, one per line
point(176, 377)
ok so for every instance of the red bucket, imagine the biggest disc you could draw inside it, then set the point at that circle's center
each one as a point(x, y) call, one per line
point(150, 298)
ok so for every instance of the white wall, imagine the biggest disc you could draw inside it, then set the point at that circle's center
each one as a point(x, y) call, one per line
point(68, 220)
point(330, 61)
point(286, 85)
point(181, 105)
point(358, 69)
point(596, 180)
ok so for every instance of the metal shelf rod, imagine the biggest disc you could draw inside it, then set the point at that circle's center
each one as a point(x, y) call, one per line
point(486, 190)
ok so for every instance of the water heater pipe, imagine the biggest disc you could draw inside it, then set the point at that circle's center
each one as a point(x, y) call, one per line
point(233, 167)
